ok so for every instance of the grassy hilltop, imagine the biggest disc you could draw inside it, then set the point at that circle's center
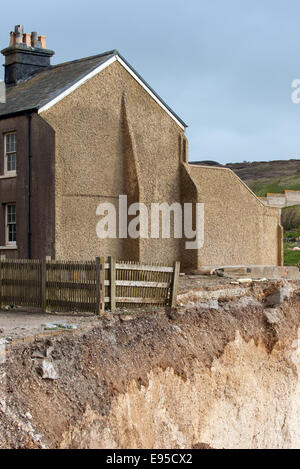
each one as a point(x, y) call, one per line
point(272, 176)
point(265, 176)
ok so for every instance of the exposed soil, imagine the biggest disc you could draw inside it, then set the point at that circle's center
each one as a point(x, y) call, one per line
point(100, 361)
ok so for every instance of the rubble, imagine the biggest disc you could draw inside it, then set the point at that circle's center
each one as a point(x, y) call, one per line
point(58, 326)
point(47, 370)
point(271, 316)
point(282, 294)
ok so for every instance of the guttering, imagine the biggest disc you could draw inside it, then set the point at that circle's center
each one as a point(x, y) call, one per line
point(17, 113)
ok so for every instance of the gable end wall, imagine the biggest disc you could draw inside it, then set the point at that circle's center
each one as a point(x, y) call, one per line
point(92, 160)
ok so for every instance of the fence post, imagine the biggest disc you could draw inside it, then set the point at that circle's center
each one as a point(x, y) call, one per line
point(43, 284)
point(102, 285)
point(112, 280)
point(175, 284)
point(100, 280)
point(98, 287)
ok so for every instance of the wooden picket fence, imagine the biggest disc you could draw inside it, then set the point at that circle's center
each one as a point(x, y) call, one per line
point(90, 286)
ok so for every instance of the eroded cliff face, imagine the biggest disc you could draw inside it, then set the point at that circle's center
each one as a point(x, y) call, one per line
point(226, 376)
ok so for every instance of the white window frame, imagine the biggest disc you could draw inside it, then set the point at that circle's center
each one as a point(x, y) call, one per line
point(6, 153)
point(7, 224)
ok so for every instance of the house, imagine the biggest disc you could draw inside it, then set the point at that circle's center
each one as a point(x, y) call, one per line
point(82, 133)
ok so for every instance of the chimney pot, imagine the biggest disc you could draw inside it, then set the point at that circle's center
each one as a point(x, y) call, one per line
point(19, 38)
point(27, 39)
point(19, 29)
point(34, 38)
point(26, 55)
point(12, 39)
point(42, 40)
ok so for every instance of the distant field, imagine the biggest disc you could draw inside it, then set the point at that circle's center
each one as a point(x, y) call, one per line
point(271, 176)
point(261, 187)
point(266, 169)
point(265, 176)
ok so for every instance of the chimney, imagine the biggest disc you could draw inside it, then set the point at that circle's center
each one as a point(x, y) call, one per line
point(26, 54)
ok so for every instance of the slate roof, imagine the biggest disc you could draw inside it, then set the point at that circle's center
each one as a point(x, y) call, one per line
point(46, 85)
point(35, 92)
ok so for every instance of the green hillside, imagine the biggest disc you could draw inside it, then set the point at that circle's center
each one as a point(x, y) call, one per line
point(271, 176)
point(265, 176)
point(262, 187)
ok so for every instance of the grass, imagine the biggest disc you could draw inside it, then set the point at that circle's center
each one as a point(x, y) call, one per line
point(292, 234)
point(261, 187)
point(291, 257)
point(292, 239)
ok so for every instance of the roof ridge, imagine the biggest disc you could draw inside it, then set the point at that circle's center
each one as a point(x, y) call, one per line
point(70, 62)
point(110, 52)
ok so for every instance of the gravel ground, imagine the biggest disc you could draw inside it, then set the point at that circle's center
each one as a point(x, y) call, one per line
point(19, 324)
point(205, 281)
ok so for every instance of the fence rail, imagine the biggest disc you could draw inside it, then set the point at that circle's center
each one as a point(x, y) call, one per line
point(86, 286)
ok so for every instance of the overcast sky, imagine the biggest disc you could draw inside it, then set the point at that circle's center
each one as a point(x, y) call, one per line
point(224, 66)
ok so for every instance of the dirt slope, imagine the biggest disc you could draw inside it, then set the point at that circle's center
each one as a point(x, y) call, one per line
point(223, 374)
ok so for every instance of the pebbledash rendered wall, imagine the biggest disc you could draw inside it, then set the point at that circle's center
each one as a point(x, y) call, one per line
point(239, 229)
point(112, 138)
